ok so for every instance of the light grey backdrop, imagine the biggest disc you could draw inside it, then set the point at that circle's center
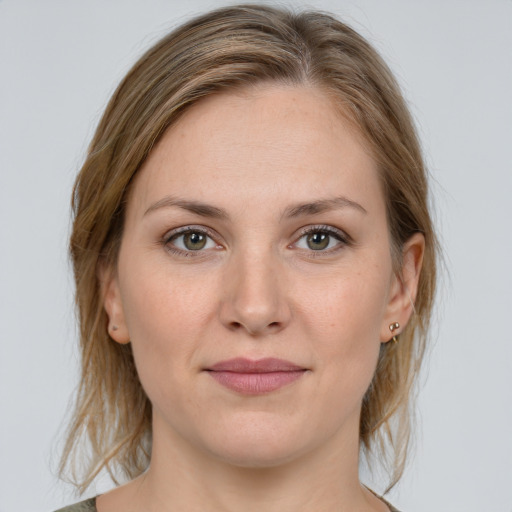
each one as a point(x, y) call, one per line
point(59, 62)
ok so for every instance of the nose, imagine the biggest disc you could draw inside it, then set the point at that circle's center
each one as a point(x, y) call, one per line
point(254, 296)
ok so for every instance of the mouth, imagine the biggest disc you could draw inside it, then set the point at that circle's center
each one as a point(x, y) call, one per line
point(251, 377)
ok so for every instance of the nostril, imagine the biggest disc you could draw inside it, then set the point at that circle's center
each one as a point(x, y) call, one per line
point(254, 330)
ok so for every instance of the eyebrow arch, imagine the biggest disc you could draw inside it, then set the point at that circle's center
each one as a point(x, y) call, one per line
point(298, 210)
point(321, 206)
point(202, 209)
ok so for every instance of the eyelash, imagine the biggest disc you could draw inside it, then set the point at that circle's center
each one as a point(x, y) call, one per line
point(343, 239)
point(177, 233)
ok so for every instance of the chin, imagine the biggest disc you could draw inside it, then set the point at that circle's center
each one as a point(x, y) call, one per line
point(256, 457)
point(255, 443)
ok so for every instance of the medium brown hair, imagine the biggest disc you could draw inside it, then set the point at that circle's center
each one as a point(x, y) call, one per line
point(230, 48)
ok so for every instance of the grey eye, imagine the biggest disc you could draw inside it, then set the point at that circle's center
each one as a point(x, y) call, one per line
point(192, 240)
point(318, 241)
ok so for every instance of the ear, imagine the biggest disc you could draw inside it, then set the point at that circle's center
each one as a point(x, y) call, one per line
point(113, 305)
point(404, 287)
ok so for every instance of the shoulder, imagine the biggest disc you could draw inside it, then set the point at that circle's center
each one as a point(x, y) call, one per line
point(84, 506)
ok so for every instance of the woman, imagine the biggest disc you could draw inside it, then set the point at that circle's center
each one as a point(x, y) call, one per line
point(255, 271)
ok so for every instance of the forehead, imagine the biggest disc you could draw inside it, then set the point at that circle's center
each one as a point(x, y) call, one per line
point(287, 139)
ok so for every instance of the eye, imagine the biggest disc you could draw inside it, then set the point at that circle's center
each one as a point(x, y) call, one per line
point(322, 238)
point(189, 239)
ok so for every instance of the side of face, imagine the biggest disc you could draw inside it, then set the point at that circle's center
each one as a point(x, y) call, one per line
point(257, 229)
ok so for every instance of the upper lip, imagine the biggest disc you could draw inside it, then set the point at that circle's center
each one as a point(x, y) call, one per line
point(243, 365)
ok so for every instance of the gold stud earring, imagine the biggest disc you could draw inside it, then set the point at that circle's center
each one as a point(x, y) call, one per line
point(393, 327)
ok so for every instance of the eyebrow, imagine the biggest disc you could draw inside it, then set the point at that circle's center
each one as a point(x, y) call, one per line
point(202, 209)
point(298, 210)
point(320, 206)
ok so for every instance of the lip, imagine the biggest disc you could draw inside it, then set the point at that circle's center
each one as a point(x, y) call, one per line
point(255, 377)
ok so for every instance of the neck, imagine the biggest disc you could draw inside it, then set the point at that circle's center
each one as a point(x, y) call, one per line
point(182, 478)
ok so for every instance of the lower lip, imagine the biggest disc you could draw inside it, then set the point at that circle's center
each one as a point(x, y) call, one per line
point(256, 383)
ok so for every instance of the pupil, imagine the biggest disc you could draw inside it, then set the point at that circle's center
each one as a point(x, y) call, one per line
point(195, 241)
point(318, 241)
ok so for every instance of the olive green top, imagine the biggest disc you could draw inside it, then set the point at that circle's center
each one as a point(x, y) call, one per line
point(84, 506)
point(90, 506)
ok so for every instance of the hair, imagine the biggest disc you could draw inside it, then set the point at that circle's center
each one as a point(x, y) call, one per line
point(226, 49)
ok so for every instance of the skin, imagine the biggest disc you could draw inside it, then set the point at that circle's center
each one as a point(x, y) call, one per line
point(257, 289)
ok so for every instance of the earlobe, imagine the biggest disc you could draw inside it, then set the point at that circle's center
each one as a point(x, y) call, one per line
point(404, 288)
point(113, 305)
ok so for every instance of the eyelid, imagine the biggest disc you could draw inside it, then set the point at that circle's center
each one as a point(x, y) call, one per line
point(169, 235)
point(325, 228)
point(343, 238)
point(172, 234)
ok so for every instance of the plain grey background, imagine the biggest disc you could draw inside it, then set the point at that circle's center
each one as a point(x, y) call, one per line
point(60, 61)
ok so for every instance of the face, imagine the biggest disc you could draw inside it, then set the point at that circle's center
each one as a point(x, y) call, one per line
point(255, 279)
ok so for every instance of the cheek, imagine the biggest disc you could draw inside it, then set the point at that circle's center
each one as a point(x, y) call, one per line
point(164, 318)
point(350, 306)
point(345, 319)
point(160, 305)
